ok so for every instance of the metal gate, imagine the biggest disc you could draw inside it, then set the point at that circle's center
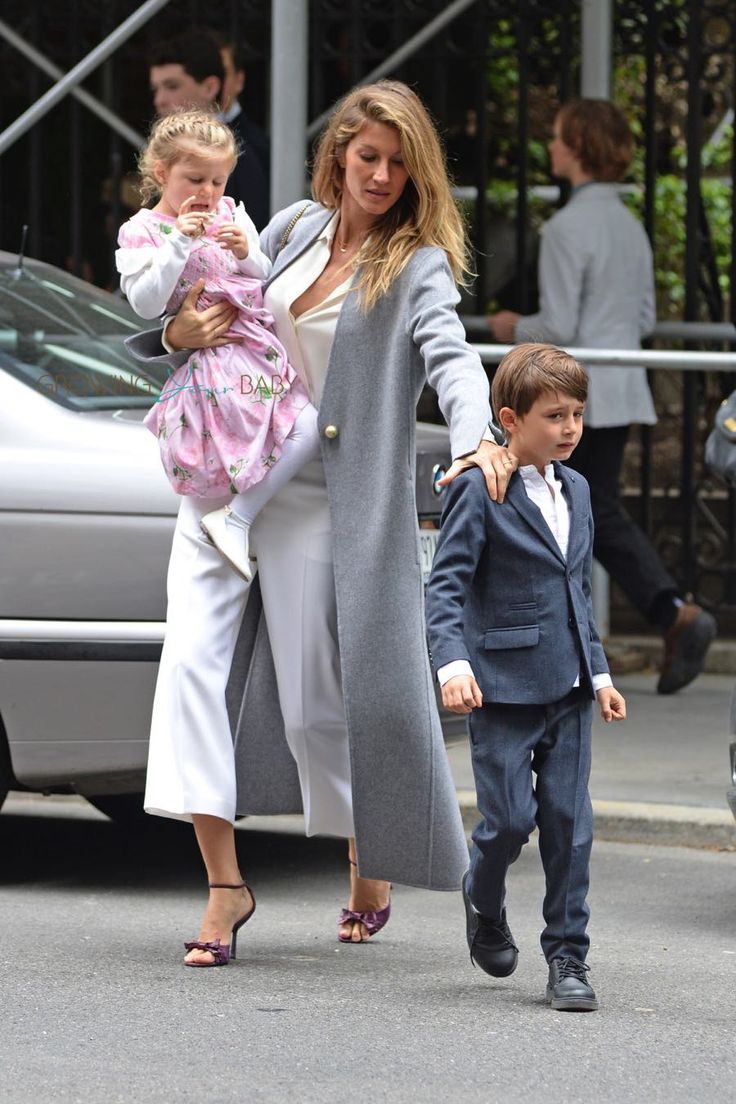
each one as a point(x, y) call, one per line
point(492, 78)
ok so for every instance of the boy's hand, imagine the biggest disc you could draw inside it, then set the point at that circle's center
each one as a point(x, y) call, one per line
point(613, 706)
point(461, 694)
point(232, 237)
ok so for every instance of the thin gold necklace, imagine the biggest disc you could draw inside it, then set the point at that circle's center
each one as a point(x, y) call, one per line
point(344, 245)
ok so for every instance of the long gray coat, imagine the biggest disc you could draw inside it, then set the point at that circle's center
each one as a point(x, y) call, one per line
point(407, 823)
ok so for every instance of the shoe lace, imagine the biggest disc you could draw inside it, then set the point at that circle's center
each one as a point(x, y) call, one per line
point(494, 928)
point(571, 967)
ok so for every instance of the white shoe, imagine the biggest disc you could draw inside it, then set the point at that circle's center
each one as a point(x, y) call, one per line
point(229, 534)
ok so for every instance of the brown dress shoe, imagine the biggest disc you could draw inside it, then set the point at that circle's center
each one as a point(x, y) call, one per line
point(685, 645)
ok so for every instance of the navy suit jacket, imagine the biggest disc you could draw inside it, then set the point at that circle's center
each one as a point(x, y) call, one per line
point(502, 596)
point(249, 182)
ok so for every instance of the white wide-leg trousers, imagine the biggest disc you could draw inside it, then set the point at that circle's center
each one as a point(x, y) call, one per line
point(191, 763)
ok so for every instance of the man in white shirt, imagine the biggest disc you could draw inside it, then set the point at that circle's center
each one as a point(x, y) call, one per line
point(514, 645)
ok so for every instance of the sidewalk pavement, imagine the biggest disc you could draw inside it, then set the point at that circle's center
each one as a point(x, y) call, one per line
point(660, 776)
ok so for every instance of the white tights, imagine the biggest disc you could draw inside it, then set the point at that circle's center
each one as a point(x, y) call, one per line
point(299, 449)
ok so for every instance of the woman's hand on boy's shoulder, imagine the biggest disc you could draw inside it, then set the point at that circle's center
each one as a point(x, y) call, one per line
point(612, 704)
point(496, 463)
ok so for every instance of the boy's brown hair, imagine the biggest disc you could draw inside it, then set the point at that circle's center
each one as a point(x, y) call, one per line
point(531, 370)
point(599, 136)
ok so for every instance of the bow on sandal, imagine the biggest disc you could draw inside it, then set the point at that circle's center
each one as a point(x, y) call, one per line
point(372, 921)
point(223, 952)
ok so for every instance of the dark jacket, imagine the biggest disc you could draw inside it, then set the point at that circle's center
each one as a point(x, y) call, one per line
point(249, 182)
point(502, 596)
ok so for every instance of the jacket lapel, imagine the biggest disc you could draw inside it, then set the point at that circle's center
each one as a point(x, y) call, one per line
point(532, 515)
point(568, 479)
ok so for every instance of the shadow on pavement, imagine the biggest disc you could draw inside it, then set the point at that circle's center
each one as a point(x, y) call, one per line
point(82, 854)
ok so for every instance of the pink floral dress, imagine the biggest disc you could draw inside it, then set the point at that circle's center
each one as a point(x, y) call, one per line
point(222, 417)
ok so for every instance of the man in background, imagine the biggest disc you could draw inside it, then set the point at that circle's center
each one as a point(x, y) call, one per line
point(200, 69)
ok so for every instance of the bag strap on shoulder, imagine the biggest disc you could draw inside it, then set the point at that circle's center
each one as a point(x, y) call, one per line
point(292, 223)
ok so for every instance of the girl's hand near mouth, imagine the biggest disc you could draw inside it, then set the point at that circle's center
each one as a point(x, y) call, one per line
point(192, 223)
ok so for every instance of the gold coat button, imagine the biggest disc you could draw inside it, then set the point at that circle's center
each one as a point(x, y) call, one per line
point(331, 432)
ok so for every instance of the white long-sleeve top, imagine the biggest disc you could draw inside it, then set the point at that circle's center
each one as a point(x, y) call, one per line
point(149, 273)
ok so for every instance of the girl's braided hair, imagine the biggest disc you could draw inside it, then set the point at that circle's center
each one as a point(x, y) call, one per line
point(183, 134)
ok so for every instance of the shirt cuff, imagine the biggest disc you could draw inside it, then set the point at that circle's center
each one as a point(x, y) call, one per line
point(452, 670)
point(600, 682)
point(168, 318)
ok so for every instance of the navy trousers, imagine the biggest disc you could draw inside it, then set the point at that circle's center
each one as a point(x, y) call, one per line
point(508, 742)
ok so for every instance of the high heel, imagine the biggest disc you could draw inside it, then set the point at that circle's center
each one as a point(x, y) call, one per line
point(372, 921)
point(223, 952)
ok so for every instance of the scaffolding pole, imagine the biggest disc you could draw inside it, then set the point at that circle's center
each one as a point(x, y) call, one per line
point(410, 47)
point(595, 83)
point(597, 49)
point(80, 71)
point(91, 102)
point(289, 37)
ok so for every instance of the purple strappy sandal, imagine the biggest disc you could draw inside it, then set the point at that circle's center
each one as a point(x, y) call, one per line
point(223, 952)
point(373, 921)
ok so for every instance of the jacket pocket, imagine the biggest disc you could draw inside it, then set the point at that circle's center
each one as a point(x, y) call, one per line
point(521, 636)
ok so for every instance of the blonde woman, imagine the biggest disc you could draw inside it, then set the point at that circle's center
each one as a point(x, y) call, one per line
point(331, 694)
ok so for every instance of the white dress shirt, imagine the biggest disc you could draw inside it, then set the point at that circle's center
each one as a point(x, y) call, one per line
point(308, 339)
point(545, 491)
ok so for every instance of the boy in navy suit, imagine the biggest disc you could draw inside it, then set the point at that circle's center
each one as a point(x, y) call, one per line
point(513, 644)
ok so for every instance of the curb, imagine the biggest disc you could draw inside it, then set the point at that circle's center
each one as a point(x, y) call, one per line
point(644, 822)
point(640, 653)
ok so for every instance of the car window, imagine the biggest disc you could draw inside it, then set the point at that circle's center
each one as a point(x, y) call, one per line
point(64, 337)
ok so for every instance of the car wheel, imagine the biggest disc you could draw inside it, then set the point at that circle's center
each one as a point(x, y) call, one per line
point(124, 809)
point(6, 768)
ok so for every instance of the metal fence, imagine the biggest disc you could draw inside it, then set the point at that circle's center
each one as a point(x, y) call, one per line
point(493, 79)
point(690, 516)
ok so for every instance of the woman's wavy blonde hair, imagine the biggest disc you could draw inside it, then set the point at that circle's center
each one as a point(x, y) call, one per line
point(178, 135)
point(425, 214)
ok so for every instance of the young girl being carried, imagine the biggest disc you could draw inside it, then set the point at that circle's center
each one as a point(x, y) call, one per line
point(236, 419)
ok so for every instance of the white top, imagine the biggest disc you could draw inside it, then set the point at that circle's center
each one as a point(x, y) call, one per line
point(545, 491)
point(149, 273)
point(308, 339)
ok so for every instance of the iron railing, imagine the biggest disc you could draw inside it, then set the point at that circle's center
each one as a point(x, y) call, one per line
point(492, 79)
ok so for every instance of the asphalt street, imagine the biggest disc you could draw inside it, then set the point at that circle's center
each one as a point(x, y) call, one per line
point(97, 1008)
